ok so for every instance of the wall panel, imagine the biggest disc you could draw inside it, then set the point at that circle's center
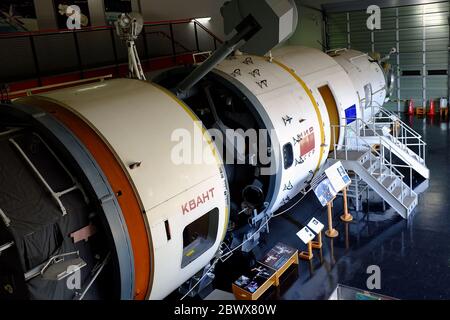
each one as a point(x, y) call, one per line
point(419, 32)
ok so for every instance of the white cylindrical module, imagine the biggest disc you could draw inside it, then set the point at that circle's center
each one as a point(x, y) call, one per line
point(299, 126)
point(176, 214)
point(333, 90)
point(306, 98)
point(367, 77)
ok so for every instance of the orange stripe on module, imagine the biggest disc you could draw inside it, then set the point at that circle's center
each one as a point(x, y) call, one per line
point(120, 184)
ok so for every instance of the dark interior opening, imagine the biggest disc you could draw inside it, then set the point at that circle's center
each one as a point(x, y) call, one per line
point(40, 228)
point(408, 73)
point(199, 236)
point(437, 72)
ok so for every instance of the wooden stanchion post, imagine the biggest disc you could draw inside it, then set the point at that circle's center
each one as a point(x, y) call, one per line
point(307, 255)
point(346, 217)
point(318, 244)
point(347, 239)
point(331, 232)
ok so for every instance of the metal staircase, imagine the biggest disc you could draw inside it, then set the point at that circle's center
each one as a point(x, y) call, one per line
point(356, 190)
point(399, 138)
point(374, 169)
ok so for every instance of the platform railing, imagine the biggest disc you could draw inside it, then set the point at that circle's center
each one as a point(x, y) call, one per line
point(353, 140)
point(401, 134)
point(191, 37)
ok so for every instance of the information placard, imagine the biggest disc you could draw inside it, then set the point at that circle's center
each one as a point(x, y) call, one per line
point(324, 190)
point(306, 235)
point(339, 178)
point(315, 225)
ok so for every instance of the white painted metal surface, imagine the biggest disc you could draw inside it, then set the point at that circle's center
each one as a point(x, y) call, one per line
point(289, 109)
point(367, 77)
point(318, 69)
point(288, 88)
point(137, 120)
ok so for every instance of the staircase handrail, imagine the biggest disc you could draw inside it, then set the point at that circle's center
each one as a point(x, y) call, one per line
point(405, 128)
point(373, 154)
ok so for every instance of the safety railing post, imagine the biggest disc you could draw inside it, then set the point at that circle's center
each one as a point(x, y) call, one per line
point(390, 159)
point(346, 145)
point(404, 136)
point(197, 43)
point(358, 134)
point(424, 152)
point(114, 46)
point(78, 52)
point(380, 155)
point(145, 43)
point(334, 141)
point(383, 155)
point(172, 40)
point(401, 190)
point(410, 181)
point(35, 60)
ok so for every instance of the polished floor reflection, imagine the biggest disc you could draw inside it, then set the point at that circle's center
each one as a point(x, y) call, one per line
point(413, 255)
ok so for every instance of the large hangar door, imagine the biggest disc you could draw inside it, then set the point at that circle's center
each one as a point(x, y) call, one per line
point(419, 32)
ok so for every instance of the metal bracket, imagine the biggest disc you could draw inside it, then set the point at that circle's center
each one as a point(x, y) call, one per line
point(5, 218)
point(57, 267)
point(74, 180)
point(54, 195)
point(6, 246)
point(57, 259)
point(197, 54)
point(224, 252)
point(10, 131)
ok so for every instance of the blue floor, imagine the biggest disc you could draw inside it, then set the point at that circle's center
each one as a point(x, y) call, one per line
point(413, 255)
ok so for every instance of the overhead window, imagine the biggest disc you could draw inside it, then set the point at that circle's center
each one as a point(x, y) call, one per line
point(409, 73)
point(200, 236)
point(437, 72)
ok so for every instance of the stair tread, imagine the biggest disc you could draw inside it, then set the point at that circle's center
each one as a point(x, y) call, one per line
point(366, 164)
point(409, 200)
point(351, 155)
point(379, 172)
point(374, 165)
point(397, 192)
point(387, 182)
point(370, 132)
